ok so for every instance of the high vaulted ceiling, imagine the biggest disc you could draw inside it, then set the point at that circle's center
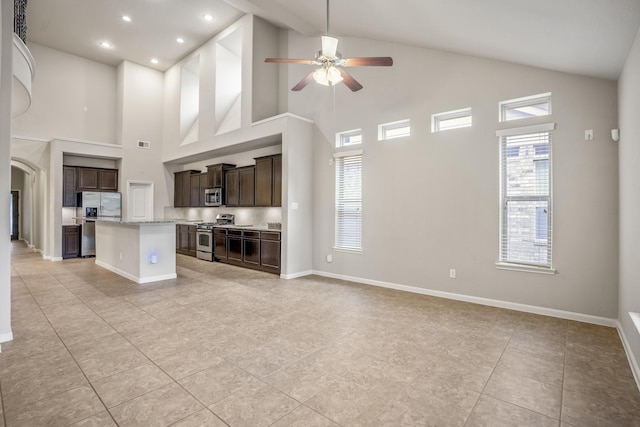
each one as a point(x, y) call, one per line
point(589, 37)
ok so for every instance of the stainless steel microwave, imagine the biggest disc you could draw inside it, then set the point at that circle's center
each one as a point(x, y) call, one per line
point(213, 197)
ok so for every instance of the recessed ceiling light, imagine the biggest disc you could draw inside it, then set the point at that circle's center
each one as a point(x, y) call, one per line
point(154, 61)
point(207, 17)
point(180, 40)
point(126, 18)
point(105, 44)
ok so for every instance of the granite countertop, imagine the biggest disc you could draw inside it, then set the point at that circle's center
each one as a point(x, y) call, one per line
point(125, 222)
point(249, 227)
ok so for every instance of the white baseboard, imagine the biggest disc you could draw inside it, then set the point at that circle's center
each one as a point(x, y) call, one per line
point(562, 314)
point(6, 337)
point(135, 278)
point(51, 258)
point(296, 275)
point(633, 363)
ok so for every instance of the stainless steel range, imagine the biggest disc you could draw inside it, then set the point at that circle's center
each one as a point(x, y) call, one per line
point(204, 235)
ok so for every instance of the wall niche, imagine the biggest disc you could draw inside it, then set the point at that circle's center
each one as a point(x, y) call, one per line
point(190, 100)
point(228, 82)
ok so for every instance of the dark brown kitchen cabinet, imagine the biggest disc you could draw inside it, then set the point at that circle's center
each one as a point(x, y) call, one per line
point(96, 179)
point(198, 182)
point(276, 198)
point(182, 197)
point(87, 179)
point(259, 250)
point(70, 241)
point(204, 184)
point(246, 185)
point(251, 248)
point(216, 175)
point(186, 239)
point(108, 179)
point(194, 190)
point(232, 189)
point(269, 181)
point(220, 244)
point(264, 181)
point(68, 186)
point(234, 246)
point(270, 251)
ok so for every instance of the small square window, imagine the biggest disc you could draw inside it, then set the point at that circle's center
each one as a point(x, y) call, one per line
point(349, 138)
point(394, 130)
point(524, 108)
point(451, 120)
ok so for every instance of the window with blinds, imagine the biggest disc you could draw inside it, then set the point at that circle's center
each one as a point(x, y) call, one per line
point(349, 201)
point(526, 215)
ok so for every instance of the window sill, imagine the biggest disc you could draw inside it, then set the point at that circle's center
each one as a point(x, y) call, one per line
point(349, 251)
point(524, 268)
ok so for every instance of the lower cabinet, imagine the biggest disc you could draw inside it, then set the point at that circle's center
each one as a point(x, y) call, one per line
point(186, 239)
point(259, 250)
point(70, 241)
point(270, 251)
point(220, 244)
point(251, 248)
point(234, 246)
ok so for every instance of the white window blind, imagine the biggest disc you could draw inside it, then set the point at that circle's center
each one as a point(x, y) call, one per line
point(526, 214)
point(349, 202)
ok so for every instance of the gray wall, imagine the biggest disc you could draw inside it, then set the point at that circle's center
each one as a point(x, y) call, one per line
point(6, 54)
point(73, 98)
point(629, 104)
point(430, 201)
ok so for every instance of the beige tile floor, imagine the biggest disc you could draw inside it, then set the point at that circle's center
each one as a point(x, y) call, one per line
point(227, 346)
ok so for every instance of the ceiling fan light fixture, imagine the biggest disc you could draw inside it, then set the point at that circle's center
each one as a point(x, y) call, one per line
point(329, 46)
point(329, 76)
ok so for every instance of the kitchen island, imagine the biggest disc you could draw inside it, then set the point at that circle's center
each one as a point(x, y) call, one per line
point(142, 251)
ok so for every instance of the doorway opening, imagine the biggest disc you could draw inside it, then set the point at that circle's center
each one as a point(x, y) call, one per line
point(14, 215)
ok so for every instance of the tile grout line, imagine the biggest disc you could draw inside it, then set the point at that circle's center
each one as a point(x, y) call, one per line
point(4, 412)
point(68, 351)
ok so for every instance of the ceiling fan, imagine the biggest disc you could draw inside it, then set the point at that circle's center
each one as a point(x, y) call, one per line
point(331, 63)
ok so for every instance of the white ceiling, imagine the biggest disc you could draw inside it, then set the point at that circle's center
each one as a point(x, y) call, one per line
point(589, 37)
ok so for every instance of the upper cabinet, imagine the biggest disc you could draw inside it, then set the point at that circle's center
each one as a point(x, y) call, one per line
point(94, 179)
point(268, 181)
point(79, 178)
point(216, 174)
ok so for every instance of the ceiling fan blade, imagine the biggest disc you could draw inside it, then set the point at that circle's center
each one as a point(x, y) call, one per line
point(290, 61)
point(349, 81)
point(302, 83)
point(381, 61)
point(329, 46)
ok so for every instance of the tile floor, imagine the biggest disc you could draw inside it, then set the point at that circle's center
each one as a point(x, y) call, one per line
point(227, 346)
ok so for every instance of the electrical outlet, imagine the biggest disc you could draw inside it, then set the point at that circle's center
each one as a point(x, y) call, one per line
point(588, 135)
point(452, 273)
point(329, 258)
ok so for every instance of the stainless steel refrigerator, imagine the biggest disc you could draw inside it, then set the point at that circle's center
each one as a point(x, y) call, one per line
point(91, 206)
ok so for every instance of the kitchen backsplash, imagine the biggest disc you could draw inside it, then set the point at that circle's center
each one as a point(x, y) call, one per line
point(243, 216)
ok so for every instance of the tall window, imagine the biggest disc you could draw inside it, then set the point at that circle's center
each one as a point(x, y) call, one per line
point(525, 172)
point(349, 200)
